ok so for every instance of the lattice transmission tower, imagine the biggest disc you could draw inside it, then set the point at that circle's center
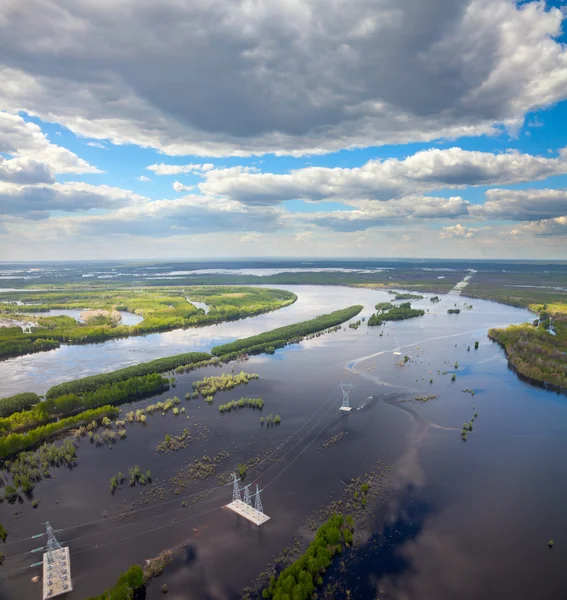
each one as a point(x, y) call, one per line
point(346, 389)
point(57, 570)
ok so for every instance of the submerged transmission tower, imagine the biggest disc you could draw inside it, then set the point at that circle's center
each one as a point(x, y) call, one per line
point(346, 389)
point(242, 503)
point(56, 567)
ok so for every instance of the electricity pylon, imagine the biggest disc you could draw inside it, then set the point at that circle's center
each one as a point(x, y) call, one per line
point(346, 389)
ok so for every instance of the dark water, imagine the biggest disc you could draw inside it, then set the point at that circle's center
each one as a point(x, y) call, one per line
point(468, 519)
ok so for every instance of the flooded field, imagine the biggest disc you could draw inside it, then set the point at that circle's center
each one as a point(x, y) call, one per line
point(456, 520)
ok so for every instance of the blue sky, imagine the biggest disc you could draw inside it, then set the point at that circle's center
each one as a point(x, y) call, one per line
point(284, 129)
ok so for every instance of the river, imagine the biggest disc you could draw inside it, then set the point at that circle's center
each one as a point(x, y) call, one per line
point(460, 520)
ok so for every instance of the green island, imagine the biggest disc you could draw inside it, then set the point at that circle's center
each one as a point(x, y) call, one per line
point(405, 295)
point(300, 580)
point(218, 383)
point(162, 309)
point(538, 351)
point(288, 334)
point(396, 313)
point(242, 403)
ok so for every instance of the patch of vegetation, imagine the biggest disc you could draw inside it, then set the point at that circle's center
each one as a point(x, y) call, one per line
point(3, 533)
point(405, 296)
point(28, 468)
point(128, 584)
point(397, 313)
point(243, 402)
point(454, 311)
point(300, 580)
point(171, 443)
point(271, 420)
point(355, 324)
point(213, 384)
point(289, 334)
point(383, 306)
point(422, 399)
point(434, 299)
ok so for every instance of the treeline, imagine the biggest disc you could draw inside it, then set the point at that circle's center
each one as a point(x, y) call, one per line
point(277, 338)
point(112, 393)
point(300, 580)
point(126, 587)
point(397, 313)
point(16, 442)
point(21, 346)
point(160, 365)
point(12, 404)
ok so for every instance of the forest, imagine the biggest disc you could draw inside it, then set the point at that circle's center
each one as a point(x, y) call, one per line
point(161, 309)
point(277, 338)
point(534, 351)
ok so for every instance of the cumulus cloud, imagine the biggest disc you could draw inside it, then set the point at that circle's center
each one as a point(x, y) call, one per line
point(548, 227)
point(382, 179)
point(179, 187)
point(143, 178)
point(163, 169)
point(523, 205)
point(290, 77)
point(97, 145)
point(39, 201)
point(24, 170)
point(33, 152)
point(456, 231)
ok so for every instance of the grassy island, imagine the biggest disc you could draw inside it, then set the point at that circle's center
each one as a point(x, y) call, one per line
point(397, 313)
point(161, 309)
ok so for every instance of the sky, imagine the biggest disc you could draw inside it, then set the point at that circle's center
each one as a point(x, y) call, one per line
point(293, 128)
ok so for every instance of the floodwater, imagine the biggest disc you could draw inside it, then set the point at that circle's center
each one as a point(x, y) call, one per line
point(466, 520)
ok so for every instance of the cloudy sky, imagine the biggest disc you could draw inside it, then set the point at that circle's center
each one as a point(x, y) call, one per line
point(191, 128)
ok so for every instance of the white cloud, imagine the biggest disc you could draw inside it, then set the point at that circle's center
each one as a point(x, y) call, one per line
point(143, 178)
point(522, 205)
point(179, 187)
point(289, 77)
point(455, 231)
point(97, 145)
point(382, 179)
point(163, 169)
point(26, 143)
